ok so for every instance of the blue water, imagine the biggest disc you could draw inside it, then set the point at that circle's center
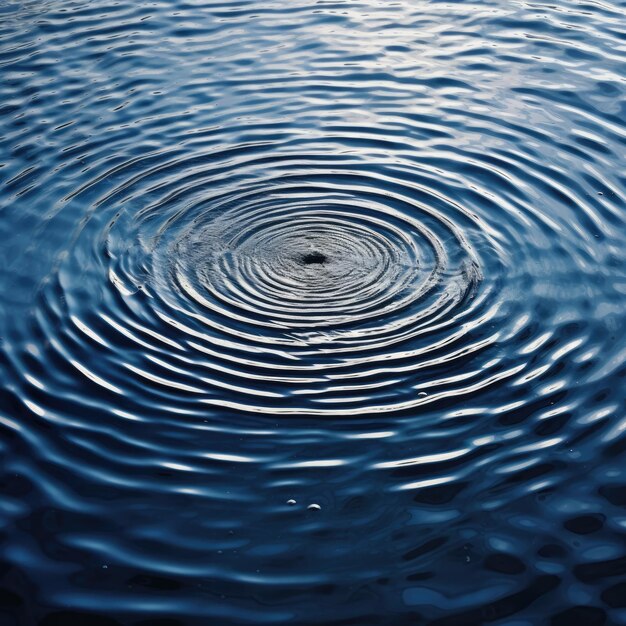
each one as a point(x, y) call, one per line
point(312, 313)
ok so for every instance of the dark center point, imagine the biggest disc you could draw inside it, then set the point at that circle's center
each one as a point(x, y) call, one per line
point(313, 258)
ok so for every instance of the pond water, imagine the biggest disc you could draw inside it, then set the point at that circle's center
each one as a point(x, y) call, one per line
point(312, 312)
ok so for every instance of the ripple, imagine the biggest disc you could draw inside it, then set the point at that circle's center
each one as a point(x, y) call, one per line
point(313, 313)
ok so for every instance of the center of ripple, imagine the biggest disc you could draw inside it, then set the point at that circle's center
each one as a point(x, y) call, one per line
point(313, 258)
point(298, 268)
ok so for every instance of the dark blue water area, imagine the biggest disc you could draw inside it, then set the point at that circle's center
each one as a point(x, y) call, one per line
point(312, 312)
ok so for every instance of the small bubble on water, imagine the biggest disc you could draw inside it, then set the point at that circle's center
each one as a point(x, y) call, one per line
point(291, 502)
point(314, 507)
point(422, 394)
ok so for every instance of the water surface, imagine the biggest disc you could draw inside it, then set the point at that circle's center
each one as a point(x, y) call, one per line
point(259, 256)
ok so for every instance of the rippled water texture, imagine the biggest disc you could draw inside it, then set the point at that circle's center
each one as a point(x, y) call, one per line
point(259, 256)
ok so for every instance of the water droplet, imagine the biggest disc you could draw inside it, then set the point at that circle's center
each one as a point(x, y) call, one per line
point(314, 507)
point(291, 502)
